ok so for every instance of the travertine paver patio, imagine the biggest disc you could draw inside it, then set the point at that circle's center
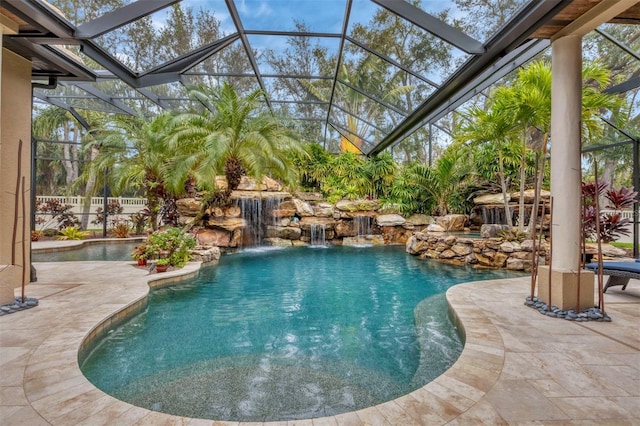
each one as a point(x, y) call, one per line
point(517, 367)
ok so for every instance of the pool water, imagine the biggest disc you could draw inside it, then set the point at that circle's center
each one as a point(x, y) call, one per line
point(115, 251)
point(286, 334)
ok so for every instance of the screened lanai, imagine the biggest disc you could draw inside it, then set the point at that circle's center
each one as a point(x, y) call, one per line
point(361, 73)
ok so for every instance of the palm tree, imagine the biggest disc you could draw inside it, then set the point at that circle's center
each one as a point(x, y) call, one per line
point(134, 152)
point(490, 127)
point(231, 136)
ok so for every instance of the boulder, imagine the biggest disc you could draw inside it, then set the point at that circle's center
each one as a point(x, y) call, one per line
point(323, 210)
point(307, 222)
point(283, 232)
point(309, 196)
point(358, 205)
point(395, 235)
point(250, 184)
point(529, 195)
point(435, 228)
point(376, 240)
point(515, 264)
point(452, 222)
point(345, 228)
point(420, 220)
point(491, 230)
point(205, 254)
point(487, 199)
point(447, 254)
point(277, 242)
point(188, 206)
point(282, 213)
point(227, 223)
point(214, 237)
point(303, 209)
point(390, 220)
point(462, 249)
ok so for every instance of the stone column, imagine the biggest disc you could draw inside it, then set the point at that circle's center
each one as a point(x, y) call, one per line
point(566, 105)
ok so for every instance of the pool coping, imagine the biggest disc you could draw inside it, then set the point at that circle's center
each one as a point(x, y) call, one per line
point(68, 245)
point(56, 392)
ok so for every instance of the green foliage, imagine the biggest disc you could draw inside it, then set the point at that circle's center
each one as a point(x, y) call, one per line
point(72, 233)
point(55, 211)
point(171, 243)
point(233, 135)
point(121, 230)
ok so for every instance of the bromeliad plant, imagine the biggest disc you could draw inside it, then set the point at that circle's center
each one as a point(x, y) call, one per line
point(612, 224)
point(172, 244)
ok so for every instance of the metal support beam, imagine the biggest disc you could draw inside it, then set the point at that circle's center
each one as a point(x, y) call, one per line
point(433, 25)
point(526, 21)
point(106, 98)
point(120, 17)
point(247, 47)
point(43, 17)
point(618, 43)
point(109, 62)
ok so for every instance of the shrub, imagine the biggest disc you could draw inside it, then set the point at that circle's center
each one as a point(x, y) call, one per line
point(173, 244)
point(612, 225)
point(58, 212)
point(72, 233)
point(121, 230)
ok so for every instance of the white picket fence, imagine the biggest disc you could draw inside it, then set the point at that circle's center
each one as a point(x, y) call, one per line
point(129, 206)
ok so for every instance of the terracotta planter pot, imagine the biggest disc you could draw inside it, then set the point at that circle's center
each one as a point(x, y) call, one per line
point(162, 268)
point(142, 262)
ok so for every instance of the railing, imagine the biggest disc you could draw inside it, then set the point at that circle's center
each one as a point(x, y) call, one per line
point(129, 206)
point(626, 214)
point(78, 200)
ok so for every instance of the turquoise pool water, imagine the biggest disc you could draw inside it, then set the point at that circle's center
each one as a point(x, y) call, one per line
point(115, 251)
point(286, 334)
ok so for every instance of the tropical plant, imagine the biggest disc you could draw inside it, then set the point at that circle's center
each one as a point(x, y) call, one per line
point(135, 155)
point(72, 233)
point(121, 230)
point(52, 211)
point(232, 136)
point(612, 225)
point(408, 193)
point(171, 243)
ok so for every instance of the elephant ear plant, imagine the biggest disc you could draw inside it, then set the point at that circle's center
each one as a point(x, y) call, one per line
point(612, 224)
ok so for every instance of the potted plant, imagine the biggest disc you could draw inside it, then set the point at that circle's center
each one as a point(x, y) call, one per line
point(141, 254)
point(162, 264)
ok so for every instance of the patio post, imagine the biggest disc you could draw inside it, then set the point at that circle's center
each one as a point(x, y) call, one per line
point(566, 176)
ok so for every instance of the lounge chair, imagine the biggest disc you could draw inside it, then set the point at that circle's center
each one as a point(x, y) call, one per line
point(619, 272)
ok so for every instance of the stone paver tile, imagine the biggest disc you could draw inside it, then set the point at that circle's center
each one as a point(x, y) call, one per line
point(160, 419)
point(630, 403)
point(372, 417)
point(52, 390)
point(574, 376)
point(348, 419)
point(20, 415)
point(459, 387)
point(76, 409)
point(632, 360)
point(443, 408)
point(486, 349)
point(590, 408)
point(419, 411)
point(197, 422)
point(477, 377)
point(301, 422)
point(481, 414)
point(624, 377)
point(13, 362)
point(517, 400)
point(521, 366)
point(395, 414)
point(550, 388)
point(120, 414)
point(12, 395)
point(224, 423)
point(325, 421)
point(451, 397)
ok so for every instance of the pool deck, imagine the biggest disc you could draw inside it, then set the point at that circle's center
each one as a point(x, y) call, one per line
point(518, 367)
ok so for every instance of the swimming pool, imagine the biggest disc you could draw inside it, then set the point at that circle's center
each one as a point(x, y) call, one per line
point(286, 334)
point(94, 251)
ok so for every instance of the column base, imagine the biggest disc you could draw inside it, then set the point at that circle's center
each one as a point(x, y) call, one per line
point(564, 287)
